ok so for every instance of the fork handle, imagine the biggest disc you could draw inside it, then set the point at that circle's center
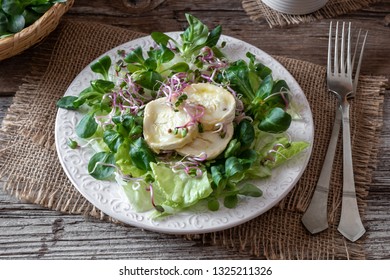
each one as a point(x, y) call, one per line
point(350, 222)
point(315, 218)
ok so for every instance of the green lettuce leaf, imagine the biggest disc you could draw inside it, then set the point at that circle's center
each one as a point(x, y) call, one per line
point(137, 194)
point(281, 150)
point(177, 190)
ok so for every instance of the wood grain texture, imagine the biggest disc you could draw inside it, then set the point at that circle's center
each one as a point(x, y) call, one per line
point(28, 231)
point(32, 232)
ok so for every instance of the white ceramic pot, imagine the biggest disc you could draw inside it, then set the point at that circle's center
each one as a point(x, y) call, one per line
point(295, 7)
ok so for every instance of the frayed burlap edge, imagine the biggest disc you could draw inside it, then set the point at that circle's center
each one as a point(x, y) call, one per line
point(16, 131)
point(35, 91)
point(257, 11)
point(52, 189)
point(18, 115)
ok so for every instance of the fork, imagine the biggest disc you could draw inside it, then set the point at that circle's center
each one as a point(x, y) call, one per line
point(340, 83)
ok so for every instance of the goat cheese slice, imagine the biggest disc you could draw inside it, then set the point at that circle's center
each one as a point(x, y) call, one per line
point(219, 104)
point(210, 143)
point(160, 121)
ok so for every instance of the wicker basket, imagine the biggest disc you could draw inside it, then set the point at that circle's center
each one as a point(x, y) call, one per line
point(29, 36)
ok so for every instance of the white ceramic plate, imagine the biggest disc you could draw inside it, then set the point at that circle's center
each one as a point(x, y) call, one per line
point(110, 198)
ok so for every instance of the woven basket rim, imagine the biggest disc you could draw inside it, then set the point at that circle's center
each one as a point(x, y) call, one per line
point(18, 42)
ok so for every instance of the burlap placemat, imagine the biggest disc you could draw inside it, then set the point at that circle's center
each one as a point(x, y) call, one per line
point(257, 10)
point(31, 170)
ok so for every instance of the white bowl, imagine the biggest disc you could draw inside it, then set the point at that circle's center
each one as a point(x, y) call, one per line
point(295, 7)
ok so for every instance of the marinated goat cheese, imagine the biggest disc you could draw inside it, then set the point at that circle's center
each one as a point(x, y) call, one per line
point(160, 121)
point(219, 104)
point(209, 143)
point(211, 107)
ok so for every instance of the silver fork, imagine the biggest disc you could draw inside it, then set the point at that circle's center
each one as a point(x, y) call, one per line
point(315, 217)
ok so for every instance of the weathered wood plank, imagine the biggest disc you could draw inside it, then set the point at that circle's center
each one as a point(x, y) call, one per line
point(30, 231)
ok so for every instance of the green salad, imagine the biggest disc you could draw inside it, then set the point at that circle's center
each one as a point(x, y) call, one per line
point(179, 123)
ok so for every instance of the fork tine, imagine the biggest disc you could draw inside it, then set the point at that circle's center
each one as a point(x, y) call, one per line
point(329, 67)
point(356, 78)
point(356, 47)
point(336, 50)
point(342, 48)
point(349, 66)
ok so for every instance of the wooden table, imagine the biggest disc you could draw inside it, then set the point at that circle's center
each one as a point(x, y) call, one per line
point(29, 231)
